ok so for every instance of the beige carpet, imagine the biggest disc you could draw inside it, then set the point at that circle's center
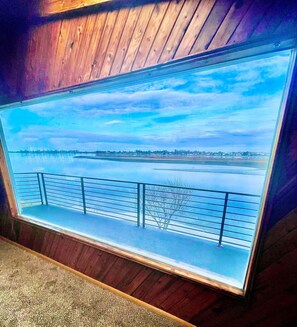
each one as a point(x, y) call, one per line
point(35, 292)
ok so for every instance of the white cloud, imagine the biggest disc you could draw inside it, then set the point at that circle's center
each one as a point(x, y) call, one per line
point(113, 122)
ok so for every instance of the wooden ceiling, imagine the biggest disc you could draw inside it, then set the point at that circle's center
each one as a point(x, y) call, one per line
point(126, 36)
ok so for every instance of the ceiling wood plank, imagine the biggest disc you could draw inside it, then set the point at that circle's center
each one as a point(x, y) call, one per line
point(209, 29)
point(164, 32)
point(90, 52)
point(61, 49)
point(250, 21)
point(70, 49)
point(85, 45)
point(75, 48)
point(125, 40)
point(179, 30)
point(289, 21)
point(137, 36)
point(54, 32)
point(194, 28)
point(45, 51)
point(150, 33)
point(230, 23)
point(114, 42)
point(103, 44)
point(33, 64)
point(272, 19)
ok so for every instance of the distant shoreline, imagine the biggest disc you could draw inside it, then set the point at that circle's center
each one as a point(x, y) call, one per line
point(198, 161)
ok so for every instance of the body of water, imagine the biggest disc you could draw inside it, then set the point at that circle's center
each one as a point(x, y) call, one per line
point(212, 177)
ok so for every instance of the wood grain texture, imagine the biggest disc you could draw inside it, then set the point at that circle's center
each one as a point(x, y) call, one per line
point(53, 7)
point(137, 37)
point(87, 47)
point(148, 39)
point(230, 23)
point(163, 32)
point(123, 38)
point(179, 29)
point(212, 24)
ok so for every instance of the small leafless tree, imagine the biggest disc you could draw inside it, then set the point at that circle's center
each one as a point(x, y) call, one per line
point(163, 202)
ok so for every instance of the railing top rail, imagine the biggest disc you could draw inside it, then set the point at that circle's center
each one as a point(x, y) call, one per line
point(147, 184)
point(85, 177)
point(33, 173)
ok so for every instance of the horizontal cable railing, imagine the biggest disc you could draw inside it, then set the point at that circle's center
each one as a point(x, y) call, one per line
point(222, 217)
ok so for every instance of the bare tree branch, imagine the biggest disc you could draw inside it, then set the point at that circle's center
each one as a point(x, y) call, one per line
point(163, 202)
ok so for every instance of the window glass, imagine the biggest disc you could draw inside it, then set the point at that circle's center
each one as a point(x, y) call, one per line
point(172, 169)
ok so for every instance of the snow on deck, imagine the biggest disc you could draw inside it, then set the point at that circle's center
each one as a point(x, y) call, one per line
point(226, 264)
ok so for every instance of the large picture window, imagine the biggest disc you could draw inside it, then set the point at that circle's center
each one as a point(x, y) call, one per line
point(172, 170)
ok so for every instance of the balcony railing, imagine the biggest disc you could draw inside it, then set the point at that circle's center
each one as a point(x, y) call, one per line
point(222, 217)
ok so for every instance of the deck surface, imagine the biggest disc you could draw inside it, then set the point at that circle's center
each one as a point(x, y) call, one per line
point(226, 264)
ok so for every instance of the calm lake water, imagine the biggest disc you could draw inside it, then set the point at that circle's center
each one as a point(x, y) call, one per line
point(212, 177)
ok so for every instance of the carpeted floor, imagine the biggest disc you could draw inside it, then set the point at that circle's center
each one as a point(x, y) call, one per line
point(35, 292)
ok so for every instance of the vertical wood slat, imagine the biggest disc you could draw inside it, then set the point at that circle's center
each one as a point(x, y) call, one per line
point(84, 46)
point(125, 40)
point(114, 42)
point(194, 28)
point(160, 284)
point(71, 48)
point(100, 265)
point(271, 19)
point(30, 70)
point(84, 258)
point(75, 51)
point(179, 30)
point(89, 53)
point(250, 21)
point(131, 284)
point(103, 45)
point(63, 41)
point(149, 36)
point(211, 25)
point(289, 21)
point(53, 38)
point(139, 30)
point(163, 32)
point(44, 45)
point(230, 23)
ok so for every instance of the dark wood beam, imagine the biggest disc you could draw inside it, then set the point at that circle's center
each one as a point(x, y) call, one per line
point(54, 7)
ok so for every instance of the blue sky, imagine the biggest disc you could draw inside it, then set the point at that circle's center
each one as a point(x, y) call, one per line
point(232, 108)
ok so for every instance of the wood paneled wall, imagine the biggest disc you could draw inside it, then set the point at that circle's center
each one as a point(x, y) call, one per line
point(68, 50)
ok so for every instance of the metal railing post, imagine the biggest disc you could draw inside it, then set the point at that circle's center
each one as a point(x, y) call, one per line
point(39, 186)
point(44, 188)
point(138, 204)
point(223, 219)
point(83, 194)
point(143, 205)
